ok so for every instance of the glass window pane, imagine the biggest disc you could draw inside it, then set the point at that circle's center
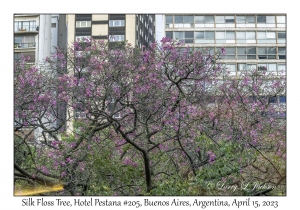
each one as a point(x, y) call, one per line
point(231, 67)
point(220, 19)
point(262, 66)
point(240, 35)
point(169, 18)
point(251, 56)
point(261, 19)
point(250, 19)
point(251, 50)
point(281, 35)
point(280, 19)
point(251, 35)
point(251, 66)
point(270, 19)
point(281, 50)
point(261, 35)
point(169, 34)
point(220, 35)
point(271, 35)
point(241, 66)
point(229, 19)
point(26, 25)
point(189, 34)
point(281, 67)
point(209, 19)
point(210, 35)
point(272, 67)
point(230, 51)
point(240, 19)
point(261, 50)
point(272, 100)
point(179, 35)
point(16, 26)
point(199, 19)
point(199, 35)
point(230, 35)
point(178, 19)
point(282, 99)
point(188, 19)
point(271, 50)
point(241, 50)
point(189, 40)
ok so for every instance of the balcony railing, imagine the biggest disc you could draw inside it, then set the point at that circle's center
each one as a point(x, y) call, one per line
point(24, 45)
point(27, 29)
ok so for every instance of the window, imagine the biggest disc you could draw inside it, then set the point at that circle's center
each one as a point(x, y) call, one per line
point(225, 37)
point(82, 38)
point(245, 37)
point(169, 34)
point(169, 21)
point(281, 53)
point(265, 21)
point(31, 55)
point(282, 99)
point(244, 66)
point(281, 69)
point(183, 21)
point(266, 52)
point(187, 36)
point(266, 37)
point(273, 100)
point(231, 68)
point(178, 18)
point(246, 52)
point(53, 25)
point(24, 41)
point(204, 37)
point(82, 24)
point(229, 53)
point(281, 21)
point(188, 21)
point(116, 23)
point(225, 21)
point(116, 38)
point(281, 37)
point(270, 67)
point(204, 21)
point(245, 21)
point(25, 26)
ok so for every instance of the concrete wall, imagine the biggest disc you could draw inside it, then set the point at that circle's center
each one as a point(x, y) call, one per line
point(70, 28)
point(99, 17)
point(44, 37)
point(100, 30)
point(54, 30)
point(130, 29)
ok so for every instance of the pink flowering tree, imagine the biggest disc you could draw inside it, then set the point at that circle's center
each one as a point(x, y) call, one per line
point(129, 120)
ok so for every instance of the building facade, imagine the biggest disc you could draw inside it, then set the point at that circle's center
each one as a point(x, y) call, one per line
point(36, 35)
point(138, 30)
point(251, 41)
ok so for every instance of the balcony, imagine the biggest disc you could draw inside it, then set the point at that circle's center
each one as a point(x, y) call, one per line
point(27, 29)
point(24, 45)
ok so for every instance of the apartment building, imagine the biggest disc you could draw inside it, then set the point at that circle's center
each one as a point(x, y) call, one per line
point(36, 35)
point(256, 41)
point(139, 29)
point(251, 40)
